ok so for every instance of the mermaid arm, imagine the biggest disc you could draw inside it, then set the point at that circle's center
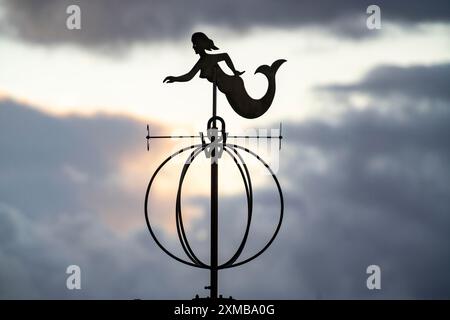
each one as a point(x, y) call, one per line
point(185, 77)
point(225, 57)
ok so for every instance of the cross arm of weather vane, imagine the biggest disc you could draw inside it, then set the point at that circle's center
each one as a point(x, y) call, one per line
point(202, 137)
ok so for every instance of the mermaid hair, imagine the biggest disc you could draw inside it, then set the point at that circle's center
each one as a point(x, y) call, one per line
point(203, 41)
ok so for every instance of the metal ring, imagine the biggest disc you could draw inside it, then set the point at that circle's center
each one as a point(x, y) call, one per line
point(249, 192)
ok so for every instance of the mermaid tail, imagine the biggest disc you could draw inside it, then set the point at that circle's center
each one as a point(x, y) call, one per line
point(238, 98)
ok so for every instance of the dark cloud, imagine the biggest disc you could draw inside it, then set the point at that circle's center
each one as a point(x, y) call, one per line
point(66, 154)
point(35, 255)
point(429, 82)
point(60, 186)
point(116, 22)
point(372, 190)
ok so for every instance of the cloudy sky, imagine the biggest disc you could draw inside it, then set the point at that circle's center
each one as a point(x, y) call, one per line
point(364, 166)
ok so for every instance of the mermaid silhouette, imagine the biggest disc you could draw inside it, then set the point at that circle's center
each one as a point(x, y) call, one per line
point(232, 86)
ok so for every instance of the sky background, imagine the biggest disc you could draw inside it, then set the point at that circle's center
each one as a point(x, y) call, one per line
point(364, 165)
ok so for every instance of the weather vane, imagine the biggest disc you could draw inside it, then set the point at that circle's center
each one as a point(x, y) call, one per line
point(233, 88)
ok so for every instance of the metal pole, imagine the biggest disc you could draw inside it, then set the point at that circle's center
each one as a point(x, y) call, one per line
point(214, 97)
point(214, 230)
point(214, 207)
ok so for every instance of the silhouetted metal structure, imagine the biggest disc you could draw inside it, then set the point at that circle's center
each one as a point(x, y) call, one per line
point(245, 106)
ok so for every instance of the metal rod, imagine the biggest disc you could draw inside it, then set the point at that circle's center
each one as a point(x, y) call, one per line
point(256, 137)
point(171, 137)
point(214, 99)
point(214, 230)
point(229, 136)
point(214, 276)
